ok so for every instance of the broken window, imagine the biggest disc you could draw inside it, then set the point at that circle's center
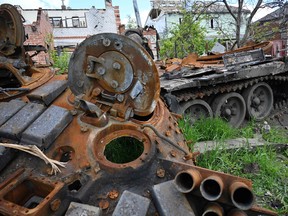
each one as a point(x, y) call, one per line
point(56, 22)
point(75, 22)
point(213, 23)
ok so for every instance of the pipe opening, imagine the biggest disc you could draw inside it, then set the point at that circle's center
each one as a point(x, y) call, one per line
point(210, 214)
point(188, 180)
point(213, 209)
point(243, 198)
point(123, 150)
point(184, 182)
point(211, 189)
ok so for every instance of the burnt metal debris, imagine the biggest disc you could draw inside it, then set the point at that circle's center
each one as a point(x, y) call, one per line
point(113, 95)
point(239, 84)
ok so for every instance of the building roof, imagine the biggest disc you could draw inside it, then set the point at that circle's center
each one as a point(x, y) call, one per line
point(210, 7)
point(275, 15)
point(219, 8)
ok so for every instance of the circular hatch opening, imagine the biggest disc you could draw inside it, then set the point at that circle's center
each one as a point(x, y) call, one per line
point(123, 150)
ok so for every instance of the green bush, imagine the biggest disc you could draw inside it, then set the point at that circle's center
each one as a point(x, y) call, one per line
point(61, 62)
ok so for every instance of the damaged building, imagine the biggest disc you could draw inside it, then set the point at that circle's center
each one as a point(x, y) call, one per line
point(67, 27)
point(273, 27)
point(165, 14)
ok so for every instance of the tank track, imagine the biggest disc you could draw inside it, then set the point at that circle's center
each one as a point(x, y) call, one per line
point(238, 86)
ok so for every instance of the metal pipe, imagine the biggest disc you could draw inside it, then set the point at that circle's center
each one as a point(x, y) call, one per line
point(236, 212)
point(211, 188)
point(137, 14)
point(213, 209)
point(242, 196)
point(187, 180)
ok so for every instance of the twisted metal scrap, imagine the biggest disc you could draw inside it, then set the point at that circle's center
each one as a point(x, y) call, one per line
point(34, 150)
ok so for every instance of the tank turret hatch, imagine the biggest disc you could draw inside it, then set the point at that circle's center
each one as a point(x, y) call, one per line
point(115, 73)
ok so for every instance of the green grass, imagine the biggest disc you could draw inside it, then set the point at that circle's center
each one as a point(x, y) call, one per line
point(213, 129)
point(206, 129)
point(123, 150)
point(276, 136)
point(264, 165)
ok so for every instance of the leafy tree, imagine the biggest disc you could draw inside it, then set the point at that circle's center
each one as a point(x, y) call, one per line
point(237, 10)
point(186, 37)
point(131, 23)
point(237, 15)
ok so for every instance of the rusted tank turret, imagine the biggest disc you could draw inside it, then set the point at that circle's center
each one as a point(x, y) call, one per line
point(112, 105)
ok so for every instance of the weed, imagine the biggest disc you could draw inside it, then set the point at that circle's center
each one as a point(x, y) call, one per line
point(207, 129)
point(61, 61)
point(276, 136)
point(249, 130)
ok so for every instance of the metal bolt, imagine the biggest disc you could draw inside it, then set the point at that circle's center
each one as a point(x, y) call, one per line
point(106, 42)
point(160, 173)
point(114, 84)
point(104, 204)
point(113, 194)
point(55, 204)
point(168, 133)
point(116, 66)
point(173, 153)
point(96, 92)
point(101, 71)
point(84, 129)
point(120, 97)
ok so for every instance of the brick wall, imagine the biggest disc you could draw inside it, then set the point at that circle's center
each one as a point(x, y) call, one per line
point(117, 17)
point(40, 33)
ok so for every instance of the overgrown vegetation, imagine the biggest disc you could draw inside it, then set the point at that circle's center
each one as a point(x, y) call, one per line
point(60, 62)
point(264, 165)
point(185, 38)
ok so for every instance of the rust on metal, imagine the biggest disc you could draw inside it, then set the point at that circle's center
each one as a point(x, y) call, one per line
point(113, 97)
point(114, 194)
point(55, 204)
point(104, 204)
point(188, 180)
point(160, 173)
point(213, 209)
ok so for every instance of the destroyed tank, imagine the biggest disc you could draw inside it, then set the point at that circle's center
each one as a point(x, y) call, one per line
point(234, 85)
point(58, 143)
